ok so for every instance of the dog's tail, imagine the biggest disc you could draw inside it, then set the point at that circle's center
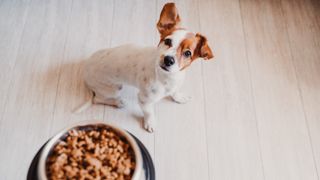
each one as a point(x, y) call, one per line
point(86, 105)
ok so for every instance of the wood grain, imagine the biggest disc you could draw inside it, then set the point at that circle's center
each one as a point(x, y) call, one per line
point(302, 21)
point(285, 143)
point(255, 108)
point(12, 22)
point(232, 136)
point(27, 114)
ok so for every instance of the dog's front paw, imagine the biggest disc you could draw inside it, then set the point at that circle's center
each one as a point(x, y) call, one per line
point(180, 98)
point(149, 126)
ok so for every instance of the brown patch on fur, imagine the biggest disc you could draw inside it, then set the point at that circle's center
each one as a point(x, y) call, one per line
point(203, 50)
point(162, 38)
point(187, 44)
point(169, 20)
point(197, 45)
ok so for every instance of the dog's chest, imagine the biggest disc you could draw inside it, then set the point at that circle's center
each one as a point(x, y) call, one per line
point(165, 87)
point(171, 82)
point(169, 86)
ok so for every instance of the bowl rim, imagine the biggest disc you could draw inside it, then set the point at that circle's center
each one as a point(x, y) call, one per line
point(54, 140)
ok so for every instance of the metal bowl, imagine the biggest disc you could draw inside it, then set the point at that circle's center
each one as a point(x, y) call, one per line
point(41, 168)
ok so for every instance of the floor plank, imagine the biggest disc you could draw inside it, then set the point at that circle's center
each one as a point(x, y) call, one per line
point(28, 112)
point(89, 30)
point(304, 30)
point(12, 22)
point(255, 107)
point(232, 135)
point(285, 145)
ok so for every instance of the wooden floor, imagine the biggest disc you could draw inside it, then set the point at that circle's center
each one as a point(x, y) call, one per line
point(255, 112)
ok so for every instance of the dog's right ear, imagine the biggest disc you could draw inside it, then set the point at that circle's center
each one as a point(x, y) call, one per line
point(169, 20)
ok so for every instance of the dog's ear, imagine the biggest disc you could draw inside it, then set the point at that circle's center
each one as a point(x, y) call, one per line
point(169, 19)
point(202, 49)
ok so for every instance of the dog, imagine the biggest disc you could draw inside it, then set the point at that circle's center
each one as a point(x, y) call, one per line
point(157, 72)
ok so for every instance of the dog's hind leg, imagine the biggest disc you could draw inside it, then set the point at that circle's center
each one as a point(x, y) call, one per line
point(109, 95)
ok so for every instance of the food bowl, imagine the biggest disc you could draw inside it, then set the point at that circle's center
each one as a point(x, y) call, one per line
point(143, 169)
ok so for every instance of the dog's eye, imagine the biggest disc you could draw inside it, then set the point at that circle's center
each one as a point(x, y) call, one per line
point(187, 53)
point(168, 42)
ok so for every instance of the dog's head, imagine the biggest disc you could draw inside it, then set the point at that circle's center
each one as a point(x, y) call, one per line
point(178, 46)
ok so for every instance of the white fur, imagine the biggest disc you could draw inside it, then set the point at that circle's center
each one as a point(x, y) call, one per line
point(107, 70)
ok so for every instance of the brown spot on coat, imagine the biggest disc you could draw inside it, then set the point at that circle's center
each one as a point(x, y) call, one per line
point(168, 23)
point(203, 50)
point(197, 45)
point(188, 44)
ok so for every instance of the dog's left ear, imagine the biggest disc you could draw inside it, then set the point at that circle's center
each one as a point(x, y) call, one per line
point(169, 19)
point(203, 50)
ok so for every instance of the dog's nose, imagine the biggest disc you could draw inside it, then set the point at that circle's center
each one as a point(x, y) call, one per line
point(168, 60)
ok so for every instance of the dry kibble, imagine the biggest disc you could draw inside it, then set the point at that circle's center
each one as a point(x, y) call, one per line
point(76, 153)
point(94, 162)
point(93, 152)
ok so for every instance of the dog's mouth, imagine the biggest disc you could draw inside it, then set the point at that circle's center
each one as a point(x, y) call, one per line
point(164, 68)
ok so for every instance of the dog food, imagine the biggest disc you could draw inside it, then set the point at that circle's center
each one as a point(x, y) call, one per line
point(91, 153)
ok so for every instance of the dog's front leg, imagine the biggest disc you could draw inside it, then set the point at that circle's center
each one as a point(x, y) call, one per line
point(147, 107)
point(180, 98)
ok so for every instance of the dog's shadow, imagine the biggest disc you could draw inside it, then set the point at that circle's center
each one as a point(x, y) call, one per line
point(66, 83)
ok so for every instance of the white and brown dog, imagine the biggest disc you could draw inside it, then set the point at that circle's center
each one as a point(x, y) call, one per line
point(156, 71)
